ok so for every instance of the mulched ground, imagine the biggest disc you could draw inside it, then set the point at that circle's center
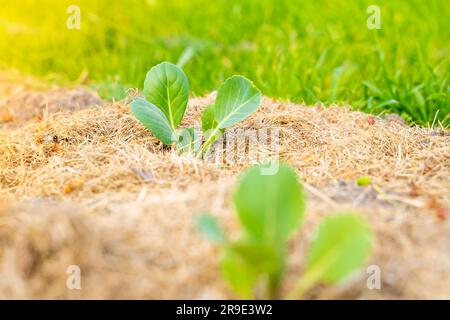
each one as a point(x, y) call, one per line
point(82, 182)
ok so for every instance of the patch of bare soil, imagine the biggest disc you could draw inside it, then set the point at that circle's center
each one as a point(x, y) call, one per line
point(93, 188)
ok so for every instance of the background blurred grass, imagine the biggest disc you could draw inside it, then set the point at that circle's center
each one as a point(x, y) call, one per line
point(307, 51)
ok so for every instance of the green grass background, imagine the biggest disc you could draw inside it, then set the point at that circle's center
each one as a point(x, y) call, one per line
point(306, 51)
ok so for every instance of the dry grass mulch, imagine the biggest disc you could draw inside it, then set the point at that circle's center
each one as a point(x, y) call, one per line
point(93, 188)
point(24, 98)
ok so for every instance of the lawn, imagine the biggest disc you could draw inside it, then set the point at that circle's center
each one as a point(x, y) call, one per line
point(305, 51)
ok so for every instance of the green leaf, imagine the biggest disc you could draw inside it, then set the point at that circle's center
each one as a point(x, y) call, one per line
point(209, 122)
point(186, 56)
point(270, 207)
point(167, 87)
point(236, 100)
point(263, 257)
point(248, 261)
point(153, 119)
point(187, 140)
point(210, 228)
point(238, 273)
point(340, 246)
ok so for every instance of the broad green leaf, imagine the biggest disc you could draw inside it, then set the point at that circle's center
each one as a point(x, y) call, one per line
point(340, 246)
point(187, 140)
point(210, 228)
point(236, 100)
point(153, 119)
point(209, 123)
point(167, 87)
point(270, 207)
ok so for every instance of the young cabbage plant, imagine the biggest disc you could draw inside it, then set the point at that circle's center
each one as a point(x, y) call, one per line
point(270, 209)
point(166, 92)
point(236, 100)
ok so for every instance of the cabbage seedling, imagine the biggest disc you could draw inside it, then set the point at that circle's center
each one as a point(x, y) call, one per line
point(166, 92)
point(270, 209)
point(236, 100)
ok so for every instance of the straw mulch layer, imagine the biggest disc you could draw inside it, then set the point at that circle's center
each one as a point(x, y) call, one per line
point(21, 101)
point(93, 188)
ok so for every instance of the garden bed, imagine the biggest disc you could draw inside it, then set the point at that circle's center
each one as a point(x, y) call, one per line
point(90, 186)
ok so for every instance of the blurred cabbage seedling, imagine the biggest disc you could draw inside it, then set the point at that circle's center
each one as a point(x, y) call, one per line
point(270, 209)
point(166, 92)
